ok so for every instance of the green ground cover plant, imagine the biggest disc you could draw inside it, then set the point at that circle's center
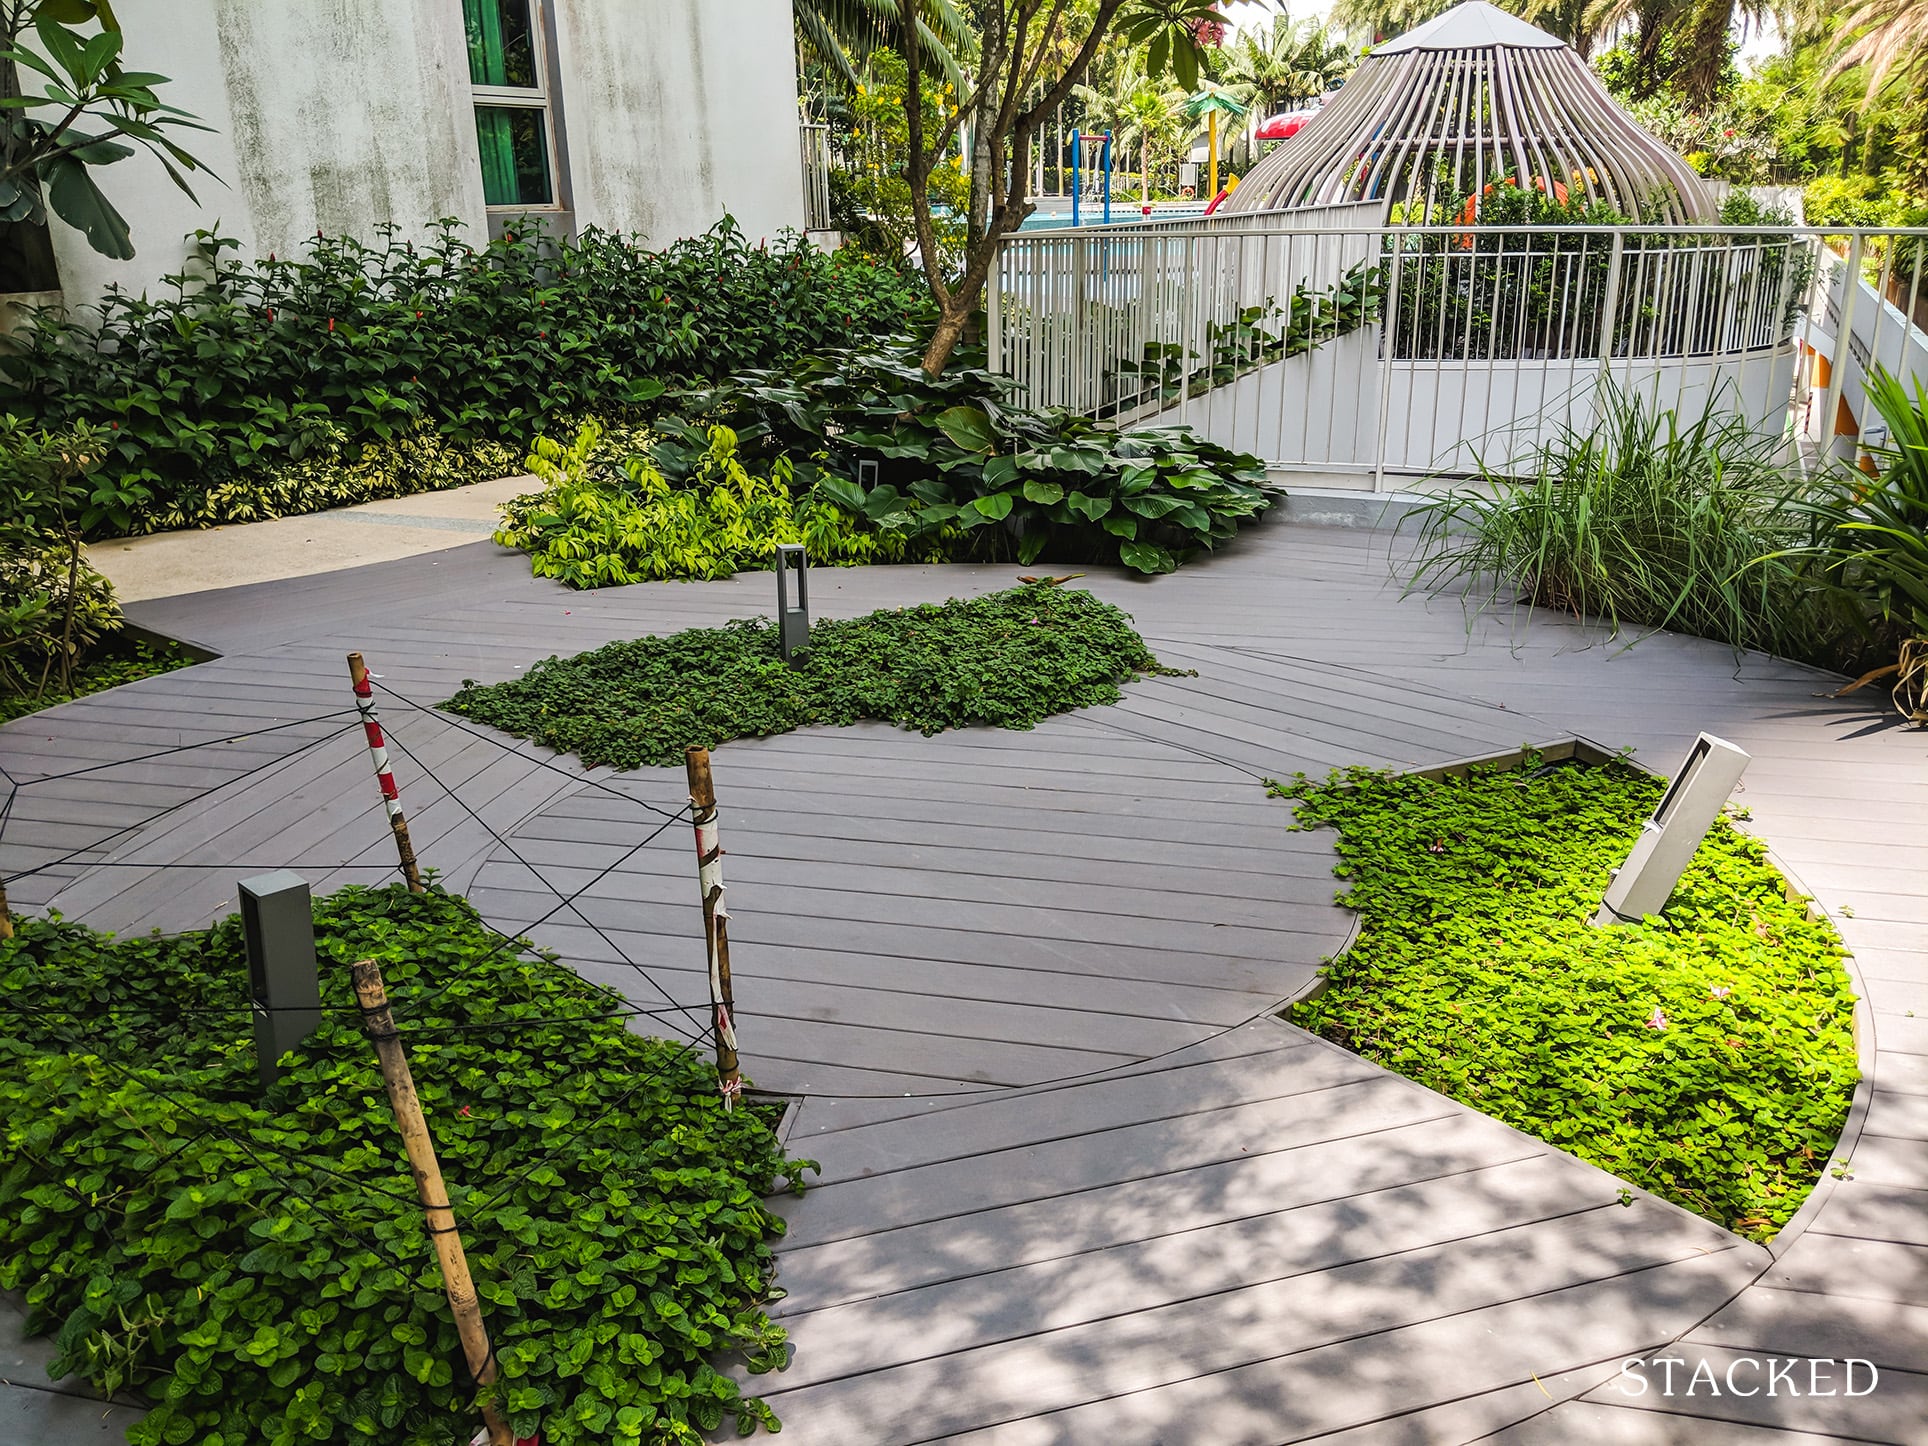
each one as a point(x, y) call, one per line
point(952, 462)
point(251, 387)
point(1706, 1056)
point(1010, 659)
point(254, 1267)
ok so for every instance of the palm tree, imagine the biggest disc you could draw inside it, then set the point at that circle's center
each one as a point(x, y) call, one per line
point(1375, 20)
point(1299, 60)
point(1578, 22)
point(845, 32)
point(1888, 36)
point(1137, 113)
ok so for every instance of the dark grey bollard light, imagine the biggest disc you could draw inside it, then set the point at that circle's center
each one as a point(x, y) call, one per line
point(278, 923)
point(793, 623)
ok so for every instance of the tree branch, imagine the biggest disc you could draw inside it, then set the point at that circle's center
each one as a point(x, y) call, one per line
point(918, 166)
point(1059, 92)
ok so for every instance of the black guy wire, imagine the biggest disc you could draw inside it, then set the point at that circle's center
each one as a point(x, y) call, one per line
point(184, 748)
point(454, 720)
point(504, 939)
point(567, 902)
point(153, 818)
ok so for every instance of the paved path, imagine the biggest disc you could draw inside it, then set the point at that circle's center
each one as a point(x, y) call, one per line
point(1079, 1182)
point(164, 564)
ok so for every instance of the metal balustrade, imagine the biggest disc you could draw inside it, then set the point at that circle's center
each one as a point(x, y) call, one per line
point(1327, 341)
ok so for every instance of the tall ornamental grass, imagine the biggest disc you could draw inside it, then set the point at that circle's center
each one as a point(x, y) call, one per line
point(1643, 520)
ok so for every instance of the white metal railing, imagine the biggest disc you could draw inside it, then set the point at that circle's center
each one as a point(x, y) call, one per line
point(815, 136)
point(1328, 341)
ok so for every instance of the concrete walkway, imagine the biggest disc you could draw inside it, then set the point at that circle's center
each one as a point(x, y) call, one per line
point(1080, 1183)
point(164, 564)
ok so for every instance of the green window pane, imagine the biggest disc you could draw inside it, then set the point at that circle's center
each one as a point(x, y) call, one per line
point(515, 156)
point(502, 49)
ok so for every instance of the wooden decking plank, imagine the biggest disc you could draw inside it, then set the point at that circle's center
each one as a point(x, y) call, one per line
point(1257, 1182)
point(1259, 1348)
point(1766, 1321)
point(1598, 1423)
point(992, 1175)
point(1182, 1264)
point(1836, 1265)
point(1266, 978)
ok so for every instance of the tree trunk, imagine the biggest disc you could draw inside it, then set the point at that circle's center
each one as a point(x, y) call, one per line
point(1144, 170)
point(1708, 48)
point(944, 340)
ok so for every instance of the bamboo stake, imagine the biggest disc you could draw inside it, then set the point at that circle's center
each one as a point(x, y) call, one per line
point(431, 1188)
point(716, 921)
point(384, 775)
point(6, 914)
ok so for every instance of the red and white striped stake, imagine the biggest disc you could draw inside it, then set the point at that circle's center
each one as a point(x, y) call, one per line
point(384, 775)
point(716, 922)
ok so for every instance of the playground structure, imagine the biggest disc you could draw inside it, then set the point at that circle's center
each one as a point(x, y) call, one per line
point(1471, 101)
point(1101, 174)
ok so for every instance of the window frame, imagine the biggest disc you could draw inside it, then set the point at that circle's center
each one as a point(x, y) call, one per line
point(544, 96)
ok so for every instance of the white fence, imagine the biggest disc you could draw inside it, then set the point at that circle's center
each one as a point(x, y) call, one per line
point(815, 136)
point(1327, 342)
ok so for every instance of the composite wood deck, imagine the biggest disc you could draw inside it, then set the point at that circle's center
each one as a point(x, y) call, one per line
point(1080, 1183)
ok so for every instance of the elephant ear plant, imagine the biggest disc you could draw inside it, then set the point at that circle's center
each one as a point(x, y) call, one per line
point(69, 107)
point(954, 463)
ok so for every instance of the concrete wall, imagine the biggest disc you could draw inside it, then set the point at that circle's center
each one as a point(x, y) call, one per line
point(343, 114)
point(1319, 411)
point(679, 111)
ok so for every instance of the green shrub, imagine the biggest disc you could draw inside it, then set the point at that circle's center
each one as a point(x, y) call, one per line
point(1011, 659)
point(603, 526)
point(247, 369)
point(55, 609)
point(1644, 520)
point(255, 1267)
point(107, 665)
point(1870, 536)
point(961, 466)
point(1707, 1056)
point(1516, 284)
point(1874, 530)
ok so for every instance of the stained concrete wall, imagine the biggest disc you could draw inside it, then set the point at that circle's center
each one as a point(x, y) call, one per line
point(680, 111)
point(344, 114)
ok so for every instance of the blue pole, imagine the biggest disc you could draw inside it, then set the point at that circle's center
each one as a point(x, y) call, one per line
point(1076, 137)
point(1107, 155)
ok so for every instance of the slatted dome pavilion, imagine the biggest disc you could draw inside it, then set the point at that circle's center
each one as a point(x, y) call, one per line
point(1464, 102)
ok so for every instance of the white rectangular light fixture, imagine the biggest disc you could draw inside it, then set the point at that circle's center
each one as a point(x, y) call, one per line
point(1667, 841)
